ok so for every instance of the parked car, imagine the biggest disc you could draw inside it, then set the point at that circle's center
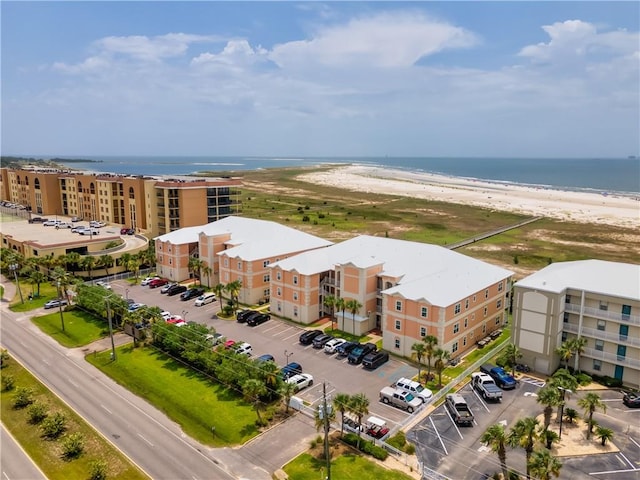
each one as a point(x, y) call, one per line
point(123, 231)
point(267, 357)
point(165, 315)
point(331, 346)
point(415, 388)
point(147, 280)
point(79, 228)
point(259, 319)
point(51, 223)
point(290, 369)
point(214, 339)
point(96, 224)
point(191, 293)
point(374, 359)
point(307, 337)
point(176, 289)
point(358, 353)
point(130, 231)
point(75, 219)
point(56, 303)
point(204, 299)
point(244, 349)
point(168, 287)
point(345, 348)
point(64, 225)
point(631, 399)
point(376, 427)
point(302, 380)
point(89, 231)
point(242, 316)
point(229, 343)
point(135, 306)
point(176, 320)
point(158, 282)
point(321, 340)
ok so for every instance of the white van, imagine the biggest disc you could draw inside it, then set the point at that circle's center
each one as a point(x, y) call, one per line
point(415, 388)
point(204, 299)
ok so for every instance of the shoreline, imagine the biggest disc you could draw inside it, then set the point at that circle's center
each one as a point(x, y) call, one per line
point(612, 208)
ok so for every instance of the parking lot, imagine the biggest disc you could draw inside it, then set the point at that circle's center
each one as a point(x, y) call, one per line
point(280, 339)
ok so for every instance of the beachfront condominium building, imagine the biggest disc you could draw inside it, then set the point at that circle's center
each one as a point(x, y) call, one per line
point(233, 249)
point(591, 299)
point(153, 205)
point(405, 289)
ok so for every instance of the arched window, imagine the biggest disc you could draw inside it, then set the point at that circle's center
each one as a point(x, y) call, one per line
point(92, 188)
point(131, 193)
point(26, 181)
point(18, 179)
point(36, 184)
point(80, 187)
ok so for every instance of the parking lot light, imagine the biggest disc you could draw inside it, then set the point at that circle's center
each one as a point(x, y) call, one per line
point(563, 390)
point(287, 354)
point(60, 305)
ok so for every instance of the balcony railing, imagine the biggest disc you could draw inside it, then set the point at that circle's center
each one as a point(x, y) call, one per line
point(604, 314)
point(611, 358)
point(603, 335)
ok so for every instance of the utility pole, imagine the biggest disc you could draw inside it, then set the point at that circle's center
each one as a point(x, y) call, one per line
point(325, 412)
point(113, 347)
point(14, 268)
point(60, 306)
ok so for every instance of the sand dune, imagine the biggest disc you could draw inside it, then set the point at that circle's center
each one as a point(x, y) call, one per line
point(581, 207)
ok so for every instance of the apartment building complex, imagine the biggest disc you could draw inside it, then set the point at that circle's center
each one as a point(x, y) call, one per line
point(153, 205)
point(234, 248)
point(592, 299)
point(406, 289)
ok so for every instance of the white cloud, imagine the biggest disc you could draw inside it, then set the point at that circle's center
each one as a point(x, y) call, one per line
point(235, 52)
point(152, 48)
point(392, 39)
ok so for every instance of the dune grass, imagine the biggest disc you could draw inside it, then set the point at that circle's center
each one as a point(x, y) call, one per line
point(194, 401)
point(345, 467)
point(80, 328)
point(47, 453)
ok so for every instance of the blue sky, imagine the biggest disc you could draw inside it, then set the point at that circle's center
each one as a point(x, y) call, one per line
point(527, 79)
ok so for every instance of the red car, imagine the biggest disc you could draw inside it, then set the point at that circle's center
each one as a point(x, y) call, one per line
point(175, 320)
point(158, 282)
point(229, 343)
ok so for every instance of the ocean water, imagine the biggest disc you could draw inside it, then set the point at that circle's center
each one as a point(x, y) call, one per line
point(595, 174)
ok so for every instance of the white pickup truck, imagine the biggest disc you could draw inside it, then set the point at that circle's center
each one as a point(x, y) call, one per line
point(486, 387)
point(400, 398)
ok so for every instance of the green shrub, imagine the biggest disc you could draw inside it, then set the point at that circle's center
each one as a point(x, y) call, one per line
point(37, 412)
point(410, 449)
point(23, 397)
point(98, 470)
point(366, 446)
point(583, 379)
point(398, 440)
point(72, 445)
point(4, 357)
point(53, 426)
point(8, 382)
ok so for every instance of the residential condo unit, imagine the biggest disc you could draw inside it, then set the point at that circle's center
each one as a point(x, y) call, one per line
point(591, 299)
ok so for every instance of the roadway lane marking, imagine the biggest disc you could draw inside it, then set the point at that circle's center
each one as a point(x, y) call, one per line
point(73, 383)
point(4, 474)
point(439, 437)
point(145, 440)
point(45, 362)
point(108, 411)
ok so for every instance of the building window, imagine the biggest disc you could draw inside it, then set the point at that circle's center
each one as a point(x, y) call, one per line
point(278, 275)
point(485, 311)
point(500, 286)
point(279, 306)
point(295, 279)
point(567, 299)
point(265, 263)
point(604, 306)
point(466, 304)
point(456, 328)
point(484, 329)
point(499, 303)
point(600, 345)
point(266, 292)
point(565, 317)
point(397, 344)
point(424, 312)
point(266, 278)
point(398, 306)
point(226, 260)
point(486, 293)
point(466, 322)
point(464, 341)
point(456, 309)
point(295, 311)
point(423, 332)
point(160, 247)
point(398, 325)
point(474, 299)
point(239, 265)
point(498, 320)
point(597, 365)
point(454, 347)
point(295, 295)
point(278, 292)
point(564, 336)
point(601, 325)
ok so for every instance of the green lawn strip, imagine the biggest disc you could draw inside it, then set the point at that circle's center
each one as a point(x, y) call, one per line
point(347, 336)
point(47, 453)
point(80, 328)
point(344, 467)
point(47, 292)
point(194, 401)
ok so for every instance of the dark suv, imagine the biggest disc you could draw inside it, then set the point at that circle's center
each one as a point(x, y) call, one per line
point(258, 319)
point(290, 369)
point(345, 349)
point(191, 293)
point(307, 337)
point(374, 359)
point(243, 316)
point(320, 340)
point(176, 289)
point(361, 351)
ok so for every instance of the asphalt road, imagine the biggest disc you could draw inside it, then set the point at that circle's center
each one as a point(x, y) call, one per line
point(153, 442)
point(16, 464)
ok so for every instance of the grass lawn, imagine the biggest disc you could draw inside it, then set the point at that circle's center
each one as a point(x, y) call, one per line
point(47, 292)
point(194, 401)
point(345, 467)
point(80, 328)
point(46, 453)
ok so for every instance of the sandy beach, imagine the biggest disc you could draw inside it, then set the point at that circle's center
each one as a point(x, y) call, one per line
point(601, 208)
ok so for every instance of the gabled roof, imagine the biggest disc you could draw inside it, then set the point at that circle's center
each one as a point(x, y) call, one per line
point(620, 280)
point(251, 239)
point(427, 272)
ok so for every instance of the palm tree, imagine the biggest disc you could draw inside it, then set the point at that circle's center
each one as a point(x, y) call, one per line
point(37, 277)
point(124, 260)
point(287, 390)
point(269, 374)
point(72, 259)
point(341, 403)
point(565, 382)
point(59, 274)
point(550, 397)
point(234, 289)
point(195, 265)
point(604, 434)
point(496, 438)
point(330, 302)
point(106, 261)
point(512, 354)
point(133, 265)
point(89, 263)
point(548, 437)
point(359, 406)
point(219, 289)
point(253, 389)
point(430, 342)
point(590, 403)
point(570, 415)
point(564, 352)
point(543, 465)
point(418, 350)
point(353, 306)
point(341, 306)
point(207, 270)
point(577, 348)
point(524, 434)
point(440, 364)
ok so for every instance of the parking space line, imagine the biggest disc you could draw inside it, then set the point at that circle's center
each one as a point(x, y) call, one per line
point(481, 401)
point(272, 328)
point(608, 472)
point(290, 336)
point(627, 460)
point(454, 423)
point(635, 443)
point(439, 437)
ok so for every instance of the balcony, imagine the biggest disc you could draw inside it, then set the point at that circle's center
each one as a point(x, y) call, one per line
point(603, 335)
point(603, 314)
point(611, 358)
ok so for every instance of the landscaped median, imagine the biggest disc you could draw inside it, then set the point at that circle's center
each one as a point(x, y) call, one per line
point(51, 432)
point(207, 411)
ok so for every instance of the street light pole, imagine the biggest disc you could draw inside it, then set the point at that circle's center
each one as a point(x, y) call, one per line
point(113, 347)
point(287, 354)
point(563, 390)
point(60, 306)
point(14, 268)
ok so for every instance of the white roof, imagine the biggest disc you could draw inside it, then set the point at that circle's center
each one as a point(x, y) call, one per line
point(426, 272)
point(598, 276)
point(251, 239)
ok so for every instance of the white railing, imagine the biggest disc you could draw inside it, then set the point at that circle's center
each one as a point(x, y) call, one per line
point(601, 334)
point(612, 358)
point(605, 314)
